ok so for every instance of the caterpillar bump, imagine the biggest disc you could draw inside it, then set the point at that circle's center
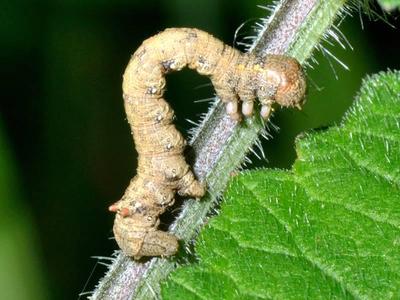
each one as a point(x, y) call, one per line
point(238, 79)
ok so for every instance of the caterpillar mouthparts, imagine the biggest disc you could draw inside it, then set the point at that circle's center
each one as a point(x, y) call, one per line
point(238, 78)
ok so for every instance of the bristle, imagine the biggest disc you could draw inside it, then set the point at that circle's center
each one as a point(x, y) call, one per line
point(192, 122)
point(209, 99)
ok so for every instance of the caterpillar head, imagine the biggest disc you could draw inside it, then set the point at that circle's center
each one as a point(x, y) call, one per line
point(286, 77)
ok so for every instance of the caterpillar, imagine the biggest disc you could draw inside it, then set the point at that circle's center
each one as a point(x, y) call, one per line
point(162, 170)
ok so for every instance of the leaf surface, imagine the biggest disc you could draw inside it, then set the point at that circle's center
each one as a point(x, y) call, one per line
point(327, 229)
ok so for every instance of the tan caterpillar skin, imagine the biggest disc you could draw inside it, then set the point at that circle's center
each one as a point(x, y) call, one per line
point(162, 169)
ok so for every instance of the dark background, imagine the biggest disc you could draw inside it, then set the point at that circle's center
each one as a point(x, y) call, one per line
point(65, 147)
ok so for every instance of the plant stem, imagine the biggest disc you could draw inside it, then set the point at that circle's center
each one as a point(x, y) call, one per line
point(221, 144)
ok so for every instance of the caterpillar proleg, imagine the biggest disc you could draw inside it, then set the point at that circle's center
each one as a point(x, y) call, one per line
point(238, 79)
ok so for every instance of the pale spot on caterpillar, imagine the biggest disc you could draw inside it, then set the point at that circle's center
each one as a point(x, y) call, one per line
point(239, 79)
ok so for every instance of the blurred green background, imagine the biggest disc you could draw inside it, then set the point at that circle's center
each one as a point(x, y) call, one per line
point(65, 147)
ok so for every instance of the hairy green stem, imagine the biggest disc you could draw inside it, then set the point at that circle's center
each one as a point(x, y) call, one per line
point(295, 28)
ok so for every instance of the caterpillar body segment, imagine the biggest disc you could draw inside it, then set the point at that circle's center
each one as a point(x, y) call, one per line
point(162, 171)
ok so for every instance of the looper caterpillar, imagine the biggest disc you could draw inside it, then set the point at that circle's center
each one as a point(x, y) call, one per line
point(162, 169)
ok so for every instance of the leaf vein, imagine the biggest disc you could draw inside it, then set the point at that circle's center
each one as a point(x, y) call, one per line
point(312, 260)
point(188, 288)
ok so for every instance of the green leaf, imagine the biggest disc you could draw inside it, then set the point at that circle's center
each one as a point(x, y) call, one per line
point(389, 5)
point(327, 229)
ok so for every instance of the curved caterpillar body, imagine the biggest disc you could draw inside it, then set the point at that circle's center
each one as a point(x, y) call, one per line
point(162, 169)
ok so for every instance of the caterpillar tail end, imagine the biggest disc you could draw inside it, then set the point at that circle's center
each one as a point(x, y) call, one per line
point(137, 244)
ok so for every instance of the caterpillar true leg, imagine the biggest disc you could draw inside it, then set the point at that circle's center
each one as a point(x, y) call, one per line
point(232, 109)
point(247, 108)
point(239, 79)
point(266, 109)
